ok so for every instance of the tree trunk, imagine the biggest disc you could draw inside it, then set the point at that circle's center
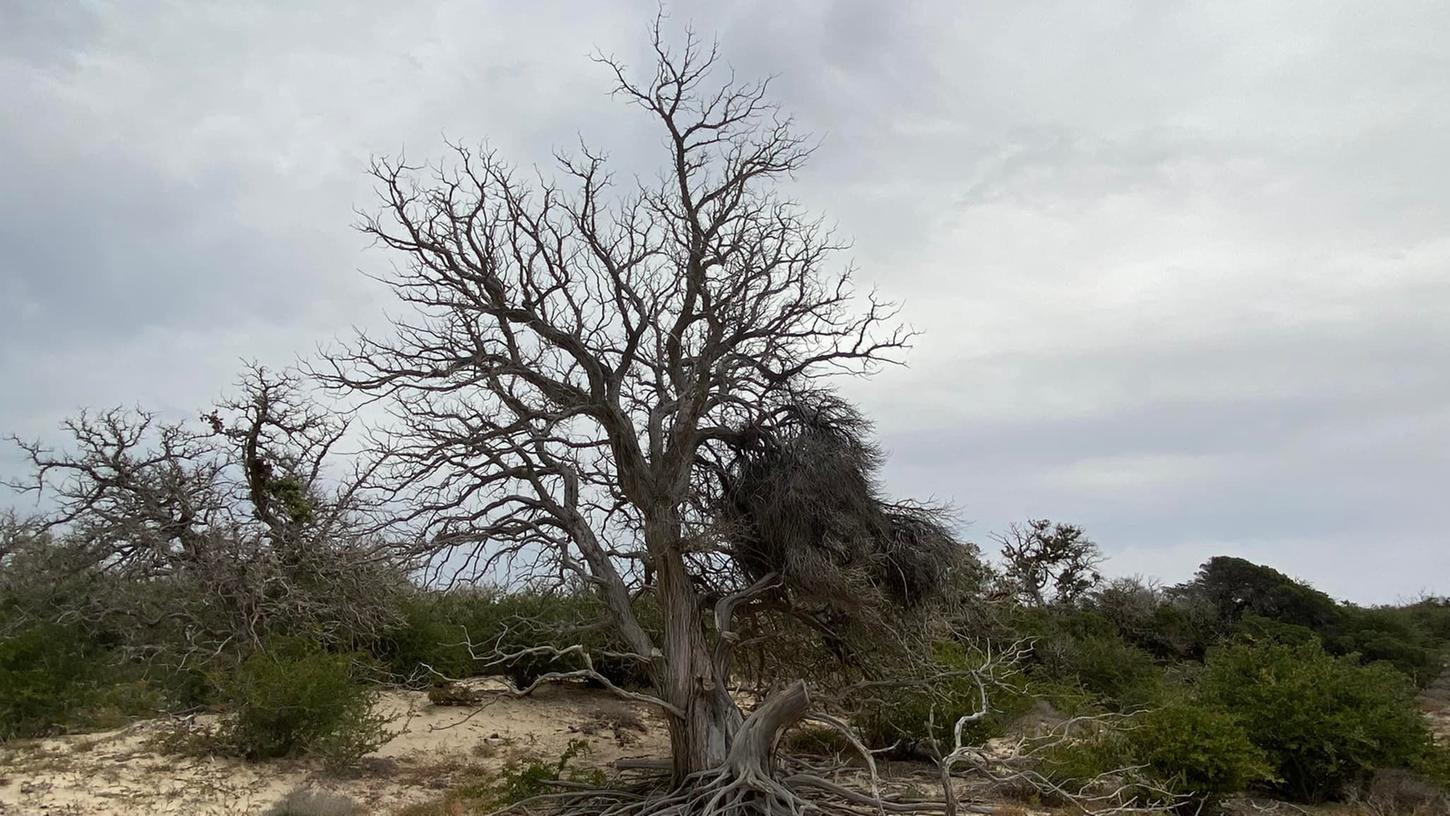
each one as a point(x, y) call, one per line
point(701, 738)
point(712, 731)
point(754, 743)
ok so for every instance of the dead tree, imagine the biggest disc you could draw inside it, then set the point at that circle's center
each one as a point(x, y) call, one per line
point(220, 530)
point(585, 366)
point(625, 386)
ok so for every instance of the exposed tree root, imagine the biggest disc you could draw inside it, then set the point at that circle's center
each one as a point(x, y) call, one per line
point(733, 792)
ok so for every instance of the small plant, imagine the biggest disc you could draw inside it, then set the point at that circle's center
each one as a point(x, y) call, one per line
point(521, 779)
point(454, 694)
point(1184, 752)
point(294, 698)
point(308, 802)
point(1082, 649)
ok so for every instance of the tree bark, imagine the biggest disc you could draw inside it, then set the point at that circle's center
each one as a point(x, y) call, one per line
point(701, 738)
point(754, 743)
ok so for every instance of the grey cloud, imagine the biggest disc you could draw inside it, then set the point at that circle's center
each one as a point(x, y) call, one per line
point(1182, 271)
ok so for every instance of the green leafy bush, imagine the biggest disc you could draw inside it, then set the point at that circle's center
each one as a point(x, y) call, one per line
point(1237, 587)
point(1170, 625)
point(483, 790)
point(1073, 764)
point(46, 678)
point(1392, 635)
point(1259, 603)
point(294, 698)
point(1188, 748)
point(522, 779)
point(1253, 628)
point(1082, 649)
point(1323, 721)
point(1191, 752)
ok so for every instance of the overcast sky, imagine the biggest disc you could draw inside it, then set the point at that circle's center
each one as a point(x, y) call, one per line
point(1182, 271)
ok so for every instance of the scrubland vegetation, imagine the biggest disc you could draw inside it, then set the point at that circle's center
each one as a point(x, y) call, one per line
point(613, 457)
point(1241, 680)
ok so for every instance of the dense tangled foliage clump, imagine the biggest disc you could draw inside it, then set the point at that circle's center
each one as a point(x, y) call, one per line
point(803, 502)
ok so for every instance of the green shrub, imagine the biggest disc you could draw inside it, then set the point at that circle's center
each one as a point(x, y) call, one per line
point(1388, 634)
point(60, 677)
point(1238, 587)
point(1323, 721)
point(1259, 603)
point(1187, 748)
point(1259, 629)
point(1073, 764)
point(523, 779)
point(294, 698)
point(915, 717)
point(1167, 625)
point(437, 627)
point(47, 677)
point(481, 790)
point(1082, 649)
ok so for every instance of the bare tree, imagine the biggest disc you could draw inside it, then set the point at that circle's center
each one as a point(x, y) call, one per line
point(1049, 563)
point(225, 529)
point(592, 377)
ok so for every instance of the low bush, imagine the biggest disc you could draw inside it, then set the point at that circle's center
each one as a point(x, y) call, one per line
point(916, 718)
point(1082, 649)
point(482, 790)
point(1167, 625)
point(56, 677)
point(437, 627)
point(1390, 635)
point(1183, 751)
point(1324, 722)
point(1194, 750)
point(818, 741)
point(293, 698)
point(307, 802)
point(47, 677)
point(522, 779)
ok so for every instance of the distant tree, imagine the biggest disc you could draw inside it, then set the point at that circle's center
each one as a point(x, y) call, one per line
point(1166, 622)
point(1046, 563)
point(1237, 587)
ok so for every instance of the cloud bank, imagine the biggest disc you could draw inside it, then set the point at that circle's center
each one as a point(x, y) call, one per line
point(1182, 272)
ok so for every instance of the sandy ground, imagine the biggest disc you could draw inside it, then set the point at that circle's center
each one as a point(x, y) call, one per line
point(120, 772)
point(1435, 701)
